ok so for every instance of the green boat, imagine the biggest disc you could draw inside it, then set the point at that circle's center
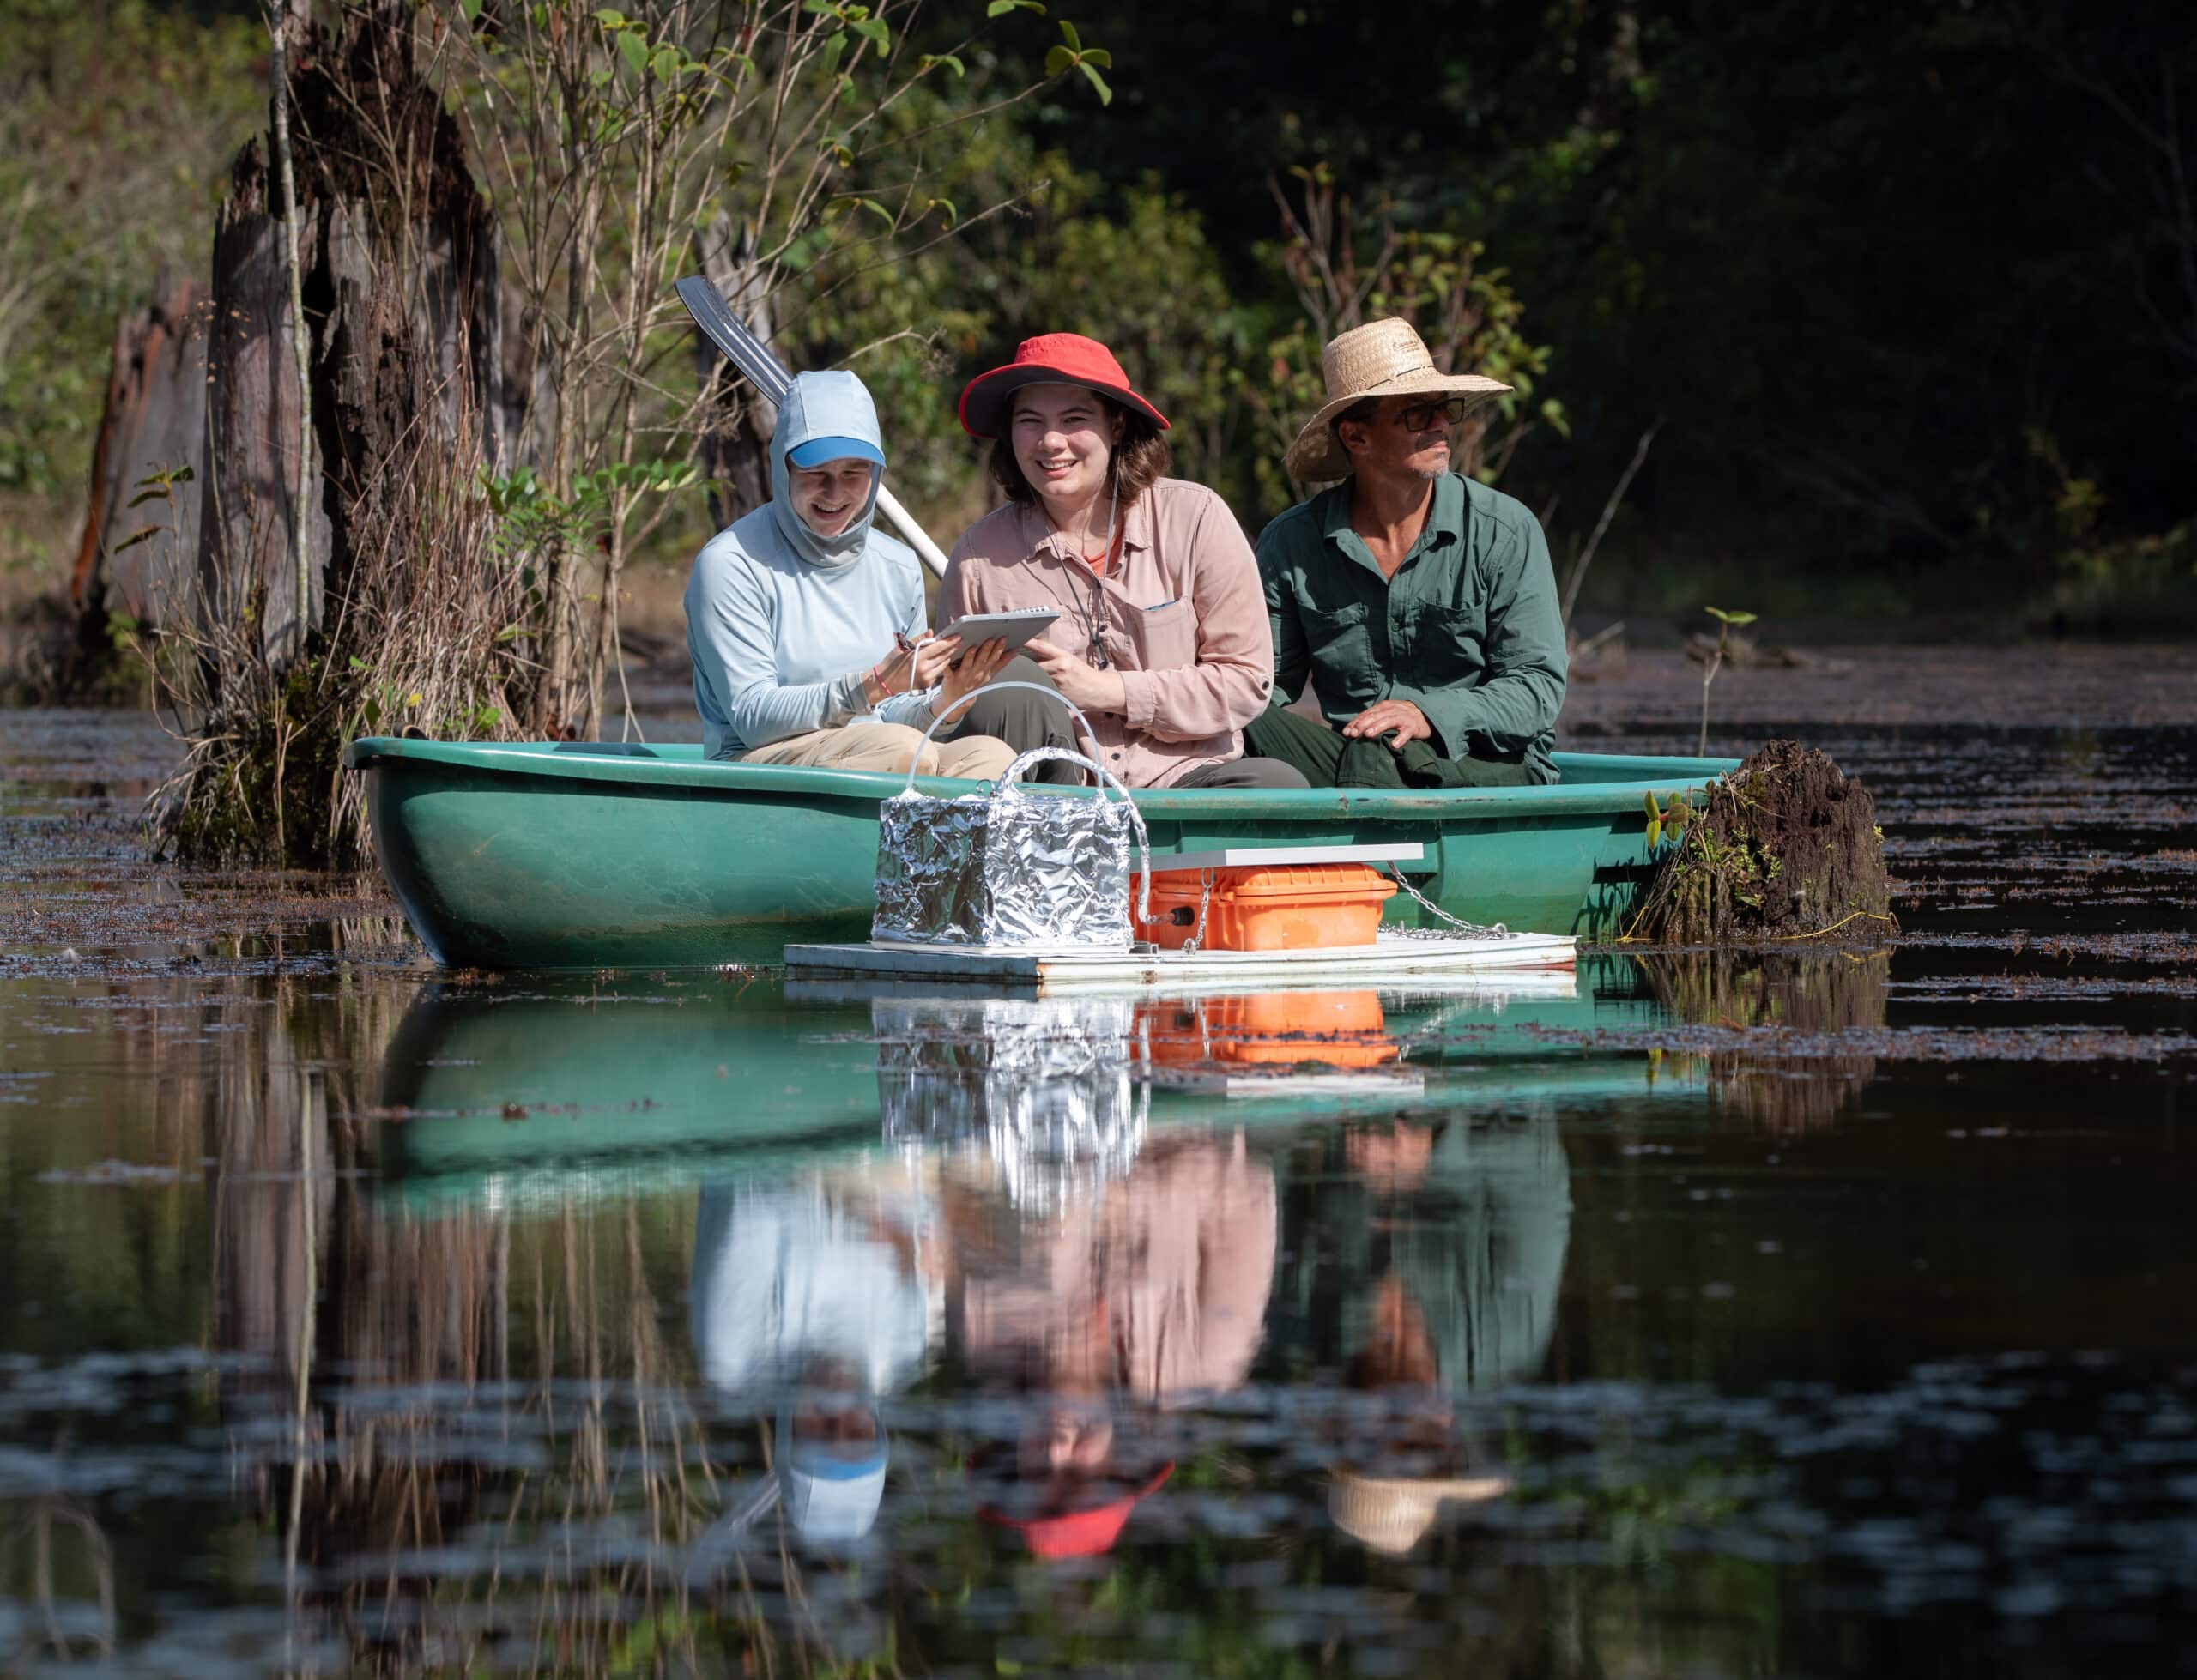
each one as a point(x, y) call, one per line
point(601, 855)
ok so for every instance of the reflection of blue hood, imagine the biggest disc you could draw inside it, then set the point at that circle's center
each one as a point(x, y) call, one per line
point(823, 405)
point(792, 1277)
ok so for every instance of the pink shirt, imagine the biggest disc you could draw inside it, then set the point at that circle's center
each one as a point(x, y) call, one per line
point(1182, 618)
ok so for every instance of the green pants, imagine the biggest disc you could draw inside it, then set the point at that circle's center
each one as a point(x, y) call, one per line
point(1330, 761)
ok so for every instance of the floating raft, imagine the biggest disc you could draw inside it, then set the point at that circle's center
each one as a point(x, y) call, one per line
point(1392, 958)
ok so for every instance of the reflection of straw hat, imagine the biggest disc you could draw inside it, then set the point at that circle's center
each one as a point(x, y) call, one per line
point(1380, 358)
point(1392, 1514)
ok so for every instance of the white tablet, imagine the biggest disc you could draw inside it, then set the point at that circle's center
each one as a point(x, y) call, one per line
point(1012, 628)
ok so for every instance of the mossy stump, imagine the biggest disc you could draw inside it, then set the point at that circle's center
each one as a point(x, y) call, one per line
point(1786, 847)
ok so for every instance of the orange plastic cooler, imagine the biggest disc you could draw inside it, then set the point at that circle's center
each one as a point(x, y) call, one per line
point(1269, 907)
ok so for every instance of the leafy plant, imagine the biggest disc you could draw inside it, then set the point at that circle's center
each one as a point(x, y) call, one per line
point(1726, 623)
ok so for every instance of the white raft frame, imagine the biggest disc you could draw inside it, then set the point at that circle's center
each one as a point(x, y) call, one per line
point(1394, 958)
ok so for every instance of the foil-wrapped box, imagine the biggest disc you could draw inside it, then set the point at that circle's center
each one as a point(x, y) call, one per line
point(1008, 868)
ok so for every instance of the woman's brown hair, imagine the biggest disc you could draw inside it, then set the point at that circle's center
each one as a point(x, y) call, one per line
point(1141, 460)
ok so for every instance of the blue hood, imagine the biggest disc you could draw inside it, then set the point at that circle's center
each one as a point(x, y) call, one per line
point(823, 405)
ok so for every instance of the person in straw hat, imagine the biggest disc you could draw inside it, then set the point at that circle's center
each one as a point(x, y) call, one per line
point(1160, 640)
point(1420, 602)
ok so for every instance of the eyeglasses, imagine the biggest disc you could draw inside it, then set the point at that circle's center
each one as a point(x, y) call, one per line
point(1420, 416)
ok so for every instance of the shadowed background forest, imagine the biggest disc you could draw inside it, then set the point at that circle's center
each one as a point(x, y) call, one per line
point(1909, 290)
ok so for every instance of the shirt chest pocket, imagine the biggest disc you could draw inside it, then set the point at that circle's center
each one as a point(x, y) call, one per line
point(1450, 644)
point(1165, 638)
point(1340, 635)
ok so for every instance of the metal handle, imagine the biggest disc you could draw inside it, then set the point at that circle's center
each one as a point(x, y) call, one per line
point(1041, 754)
point(1034, 687)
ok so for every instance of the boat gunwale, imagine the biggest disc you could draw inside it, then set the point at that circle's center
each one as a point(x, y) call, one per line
point(571, 762)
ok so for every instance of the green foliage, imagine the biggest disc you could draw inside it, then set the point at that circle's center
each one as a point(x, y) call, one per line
point(115, 126)
point(1725, 624)
point(1346, 269)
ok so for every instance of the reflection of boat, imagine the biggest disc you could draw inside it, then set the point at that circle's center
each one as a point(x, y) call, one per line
point(562, 1089)
point(566, 1077)
point(586, 855)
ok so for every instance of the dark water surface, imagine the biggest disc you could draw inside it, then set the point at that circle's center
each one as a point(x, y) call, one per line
point(1765, 1313)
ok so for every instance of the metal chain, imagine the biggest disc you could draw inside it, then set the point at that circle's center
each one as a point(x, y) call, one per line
point(1205, 897)
point(1471, 929)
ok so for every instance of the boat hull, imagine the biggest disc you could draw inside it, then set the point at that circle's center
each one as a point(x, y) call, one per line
point(545, 855)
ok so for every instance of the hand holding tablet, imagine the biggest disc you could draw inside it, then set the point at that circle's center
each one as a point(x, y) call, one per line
point(1014, 629)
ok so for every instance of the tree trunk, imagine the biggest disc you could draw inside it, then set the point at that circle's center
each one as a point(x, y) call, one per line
point(735, 446)
point(403, 299)
point(246, 573)
point(154, 421)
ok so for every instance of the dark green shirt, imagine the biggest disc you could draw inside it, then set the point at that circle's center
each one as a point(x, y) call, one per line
point(1467, 630)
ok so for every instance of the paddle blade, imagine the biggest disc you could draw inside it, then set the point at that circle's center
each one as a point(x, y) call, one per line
point(746, 352)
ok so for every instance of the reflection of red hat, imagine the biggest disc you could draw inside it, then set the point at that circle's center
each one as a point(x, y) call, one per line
point(1080, 1533)
point(1052, 359)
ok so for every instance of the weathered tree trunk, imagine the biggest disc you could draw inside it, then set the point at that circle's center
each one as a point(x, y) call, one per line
point(403, 300)
point(154, 422)
point(734, 454)
point(247, 528)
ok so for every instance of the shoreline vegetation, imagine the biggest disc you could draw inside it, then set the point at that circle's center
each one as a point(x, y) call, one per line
point(514, 441)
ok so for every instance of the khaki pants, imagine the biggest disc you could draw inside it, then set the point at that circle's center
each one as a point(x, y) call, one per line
point(886, 746)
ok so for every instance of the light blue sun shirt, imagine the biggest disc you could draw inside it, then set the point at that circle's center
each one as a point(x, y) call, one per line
point(781, 622)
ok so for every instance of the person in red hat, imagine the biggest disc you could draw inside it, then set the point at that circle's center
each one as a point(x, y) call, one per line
point(1163, 638)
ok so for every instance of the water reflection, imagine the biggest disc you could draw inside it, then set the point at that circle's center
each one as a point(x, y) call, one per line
point(731, 1324)
point(1785, 1081)
point(813, 1301)
point(1042, 1087)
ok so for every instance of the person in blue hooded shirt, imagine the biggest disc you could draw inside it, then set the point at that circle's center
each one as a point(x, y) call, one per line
point(807, 624)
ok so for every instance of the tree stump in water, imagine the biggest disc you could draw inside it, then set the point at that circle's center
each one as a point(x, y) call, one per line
point(135, 552)
point(1785, 847)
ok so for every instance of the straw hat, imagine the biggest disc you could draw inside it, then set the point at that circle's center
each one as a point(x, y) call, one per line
point(1392, 1514)
point(1380, 358)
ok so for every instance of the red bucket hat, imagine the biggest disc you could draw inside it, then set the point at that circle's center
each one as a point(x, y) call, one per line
point(1051, 358)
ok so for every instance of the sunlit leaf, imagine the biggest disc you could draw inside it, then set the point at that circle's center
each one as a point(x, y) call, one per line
point(1058, 60)
point(636, 51)
point(872, 30)
point(931, 61)
point(1105, 93)
point(610, 19)
point(137, 537)
point(1068, 33)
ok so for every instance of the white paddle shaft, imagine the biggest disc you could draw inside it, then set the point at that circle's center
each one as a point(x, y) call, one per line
point(904, 522)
